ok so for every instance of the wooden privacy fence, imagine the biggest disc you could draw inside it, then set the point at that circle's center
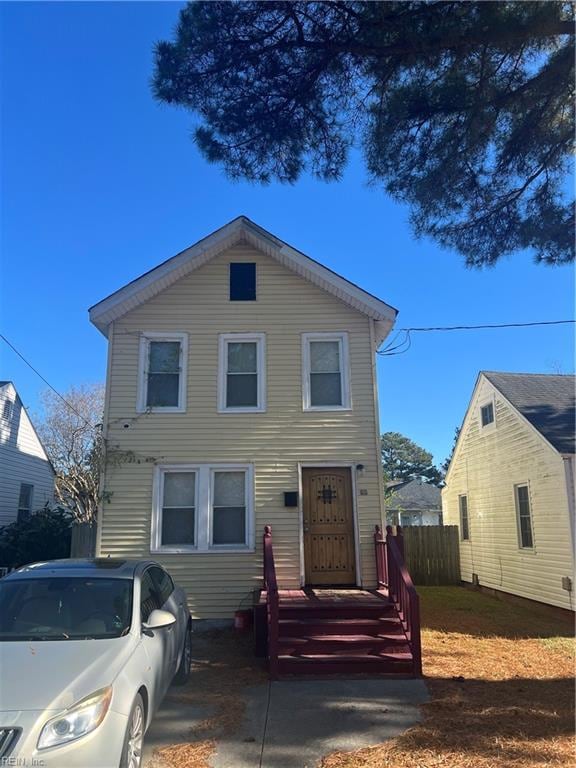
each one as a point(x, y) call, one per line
point(83, 541)
point(432, 554)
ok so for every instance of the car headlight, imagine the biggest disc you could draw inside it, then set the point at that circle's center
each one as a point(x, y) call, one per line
point(77, 721)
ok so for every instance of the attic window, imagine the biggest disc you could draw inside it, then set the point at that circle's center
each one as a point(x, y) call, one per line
point(487, 414)
point(242, 281)
point(7, 410)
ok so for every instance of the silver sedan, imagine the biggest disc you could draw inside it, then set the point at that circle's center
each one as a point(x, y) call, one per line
point(88, 648)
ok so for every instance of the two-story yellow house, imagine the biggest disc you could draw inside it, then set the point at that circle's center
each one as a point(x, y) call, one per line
point(241, 391)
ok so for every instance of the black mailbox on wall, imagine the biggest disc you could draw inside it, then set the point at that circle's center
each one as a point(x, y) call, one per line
point(290, 498)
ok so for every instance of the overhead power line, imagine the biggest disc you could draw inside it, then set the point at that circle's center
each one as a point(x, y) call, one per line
point(399, 349)
point(69, 405)
point(491, 325)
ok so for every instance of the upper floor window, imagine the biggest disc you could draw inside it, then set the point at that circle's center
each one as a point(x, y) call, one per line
point(241, 374)
point(524, 516)
point(487, 414)
point(242, 281)
point(162, 381)
point(25, 500)
point(325, 370)
point(464, 520)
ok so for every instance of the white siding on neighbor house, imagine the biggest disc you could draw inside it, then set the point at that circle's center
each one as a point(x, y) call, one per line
point(22, 459)
point(487, 465)
point(274, 441)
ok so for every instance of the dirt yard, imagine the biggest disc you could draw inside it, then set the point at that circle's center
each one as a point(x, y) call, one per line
point(501, 678)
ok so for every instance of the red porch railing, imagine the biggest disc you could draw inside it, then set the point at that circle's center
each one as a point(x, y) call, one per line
point(272, 601)
point(393, 575)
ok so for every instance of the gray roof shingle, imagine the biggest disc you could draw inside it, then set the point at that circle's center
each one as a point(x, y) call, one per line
point(546, 400)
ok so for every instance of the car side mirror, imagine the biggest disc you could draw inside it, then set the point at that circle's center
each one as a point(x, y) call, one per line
point(159, 619)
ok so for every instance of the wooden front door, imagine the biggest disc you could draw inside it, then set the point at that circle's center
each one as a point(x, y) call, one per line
point(328, 526)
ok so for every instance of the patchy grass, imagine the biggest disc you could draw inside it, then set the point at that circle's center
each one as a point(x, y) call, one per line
point(502, 690)
point(223, 666)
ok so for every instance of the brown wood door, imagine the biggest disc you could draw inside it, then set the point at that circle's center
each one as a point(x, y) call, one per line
point(328, 526)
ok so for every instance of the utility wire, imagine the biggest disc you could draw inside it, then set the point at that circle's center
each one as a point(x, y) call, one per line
point(494, 325)
point(404, 346)
point(69, 405)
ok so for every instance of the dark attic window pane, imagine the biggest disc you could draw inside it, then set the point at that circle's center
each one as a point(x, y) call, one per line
point(243, 282)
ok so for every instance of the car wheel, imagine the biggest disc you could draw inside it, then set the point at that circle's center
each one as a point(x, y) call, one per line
point(183, 672)
point(134, 738)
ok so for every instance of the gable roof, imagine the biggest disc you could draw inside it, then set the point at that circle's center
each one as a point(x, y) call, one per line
point(414, 494)
point(24, 413)
point(241, 229)
point(547, 401)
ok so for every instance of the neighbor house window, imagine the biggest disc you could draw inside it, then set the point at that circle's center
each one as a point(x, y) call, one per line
point(487, 414)
point(524, 516)
point(242, 281)
point(203, 507)
point(162, 385)
point(464, 520)
point(25, 500)
point(241, 385)
point(326, 379)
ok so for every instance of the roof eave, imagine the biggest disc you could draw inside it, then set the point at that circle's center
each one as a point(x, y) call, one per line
point(153, 282)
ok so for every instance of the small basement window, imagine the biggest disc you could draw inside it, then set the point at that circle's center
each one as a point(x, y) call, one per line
point(487, 414)
point(242, 281)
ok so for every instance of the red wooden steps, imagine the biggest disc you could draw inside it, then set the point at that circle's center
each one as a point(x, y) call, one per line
point(324, 637)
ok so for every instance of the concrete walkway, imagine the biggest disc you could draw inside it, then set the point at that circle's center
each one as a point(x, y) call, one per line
point(307, 719)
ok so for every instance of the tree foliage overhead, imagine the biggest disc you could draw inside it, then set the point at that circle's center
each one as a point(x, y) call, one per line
point(463, 110)
point(403, 459)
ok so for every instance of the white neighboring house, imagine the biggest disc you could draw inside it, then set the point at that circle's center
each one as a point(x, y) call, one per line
point(510, 486)
point(26, 474)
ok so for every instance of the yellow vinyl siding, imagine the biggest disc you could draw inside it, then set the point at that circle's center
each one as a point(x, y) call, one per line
point(274, 441)
point(487, 465)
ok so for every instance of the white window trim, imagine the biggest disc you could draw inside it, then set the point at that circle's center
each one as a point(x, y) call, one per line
point(342, 338)
point(145, 338)
point(203, 516)
point(223, 340)
point(31, 507)
point(249, 504)
point(521, 547)
point(157, 508)
point(492, 425)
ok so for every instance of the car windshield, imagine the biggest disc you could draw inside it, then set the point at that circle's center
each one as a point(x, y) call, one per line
point(64, 608)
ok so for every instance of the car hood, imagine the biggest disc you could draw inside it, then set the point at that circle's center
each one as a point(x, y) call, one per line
point(56, 674)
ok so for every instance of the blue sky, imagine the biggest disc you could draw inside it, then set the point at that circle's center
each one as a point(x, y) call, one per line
point(100, 183)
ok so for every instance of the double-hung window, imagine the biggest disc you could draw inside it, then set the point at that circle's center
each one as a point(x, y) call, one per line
point(524, 516)
point(487, 414)
point(177, 510)
point(162, 381)
point(241, 375)
point(25, 500)
point(228, 508)
point(325, 371)
point(464, 519)
point(203, 507)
